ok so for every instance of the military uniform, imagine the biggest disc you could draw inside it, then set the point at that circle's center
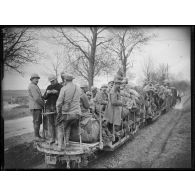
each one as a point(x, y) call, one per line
point(50, 106)
point(84, 104)
point(36, 104)
point(68, 109)
point(100, 100)
point(113, 111)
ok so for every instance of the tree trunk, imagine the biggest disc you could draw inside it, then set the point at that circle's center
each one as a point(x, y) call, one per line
point(124, 65)
point(92, 57)
point(90, 81)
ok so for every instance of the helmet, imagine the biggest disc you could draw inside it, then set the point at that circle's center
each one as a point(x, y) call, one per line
point(88, 93)
point(52, 77)
point(93, 88)
point(62, 73)
point(110, 82)
point(117, 81)
point(84, 85)
point(34, 75)
point(104, 86)
point(67, 77)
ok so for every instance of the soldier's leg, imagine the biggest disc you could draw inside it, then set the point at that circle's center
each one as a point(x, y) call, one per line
point(37, 120)
point(68, 129)
point(51, 128)
point(110, 127)
point(60, 134)
point(67, 134)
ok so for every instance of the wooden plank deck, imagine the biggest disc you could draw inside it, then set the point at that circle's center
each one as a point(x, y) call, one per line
point(74, 148)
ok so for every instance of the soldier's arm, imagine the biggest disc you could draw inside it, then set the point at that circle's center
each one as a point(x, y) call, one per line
point(85, 101)
point(58, 90)
point(45, 96)
point(60, 100)
point(35, 95)
point(114, 100)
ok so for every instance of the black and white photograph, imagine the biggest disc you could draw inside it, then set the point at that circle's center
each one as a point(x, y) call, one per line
point(96, 97)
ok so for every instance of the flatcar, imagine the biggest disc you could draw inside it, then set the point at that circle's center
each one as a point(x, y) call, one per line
point(83, 149)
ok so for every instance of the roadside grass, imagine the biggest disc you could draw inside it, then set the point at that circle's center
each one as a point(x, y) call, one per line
point(24, 155)
point(16, 112)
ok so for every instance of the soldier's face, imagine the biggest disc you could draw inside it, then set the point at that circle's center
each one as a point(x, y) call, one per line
point(53, 82)
point(89, 97)
point(104, 89)
point(35, 80)
point(117, 87)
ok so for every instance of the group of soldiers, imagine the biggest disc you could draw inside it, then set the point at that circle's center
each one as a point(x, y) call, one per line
point(65, 103)
point(161, 95)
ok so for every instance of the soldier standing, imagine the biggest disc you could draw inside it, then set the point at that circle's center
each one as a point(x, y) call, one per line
point(101, 99)
point(113, 111)
point(84, 102)
point(51, 95)
point(94, 91)
point(68, 109)
point(36, 104)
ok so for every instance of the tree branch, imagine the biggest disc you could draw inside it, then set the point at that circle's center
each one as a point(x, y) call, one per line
point(74, 44)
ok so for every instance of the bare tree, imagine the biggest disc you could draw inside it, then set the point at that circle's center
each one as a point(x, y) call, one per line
point(163, 72)
point(54, 64)
point(85, 52)
point(18, 48)
point(57, 64)
point(148, 69)
point(125, 41)
point(158, 74)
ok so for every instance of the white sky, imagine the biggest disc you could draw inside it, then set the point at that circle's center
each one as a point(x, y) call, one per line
point(172, 46)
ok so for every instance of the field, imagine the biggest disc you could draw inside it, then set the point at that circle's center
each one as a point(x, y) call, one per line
point(15, 104)
point(166, 143)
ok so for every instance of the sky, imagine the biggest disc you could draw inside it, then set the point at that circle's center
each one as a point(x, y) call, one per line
point(171, 46)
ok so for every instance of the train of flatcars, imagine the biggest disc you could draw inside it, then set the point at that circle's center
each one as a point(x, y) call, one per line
point(147, 107)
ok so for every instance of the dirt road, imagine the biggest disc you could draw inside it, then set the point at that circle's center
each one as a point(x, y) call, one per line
point(17, 127)
point(164, 144)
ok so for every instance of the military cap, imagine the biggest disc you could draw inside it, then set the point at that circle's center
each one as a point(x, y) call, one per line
point(34, 75)
point(88, 93)
point(84, 85)
point(118, 81)
point(93, 88)
point(67, 77)
point(104, 86)
point(111, 82)
point(52, 77)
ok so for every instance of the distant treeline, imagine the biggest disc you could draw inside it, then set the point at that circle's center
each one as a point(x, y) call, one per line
point(7, 94)
point(182, 85)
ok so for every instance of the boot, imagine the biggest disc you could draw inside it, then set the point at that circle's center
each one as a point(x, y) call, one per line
point(36, 132)
point(52, 136)
point(51, 129)
point(60, 138)
point(67, 136)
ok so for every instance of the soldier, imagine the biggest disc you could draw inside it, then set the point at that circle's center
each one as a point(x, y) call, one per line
point(119, 75)
point(91, 102)
point(94, 91)
point(36, 104)
point(110, 85)
point(84, 102)
point(68, 109)
point(51, 95)
point(101, 98)
point(113, 111)
point(63, 82)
